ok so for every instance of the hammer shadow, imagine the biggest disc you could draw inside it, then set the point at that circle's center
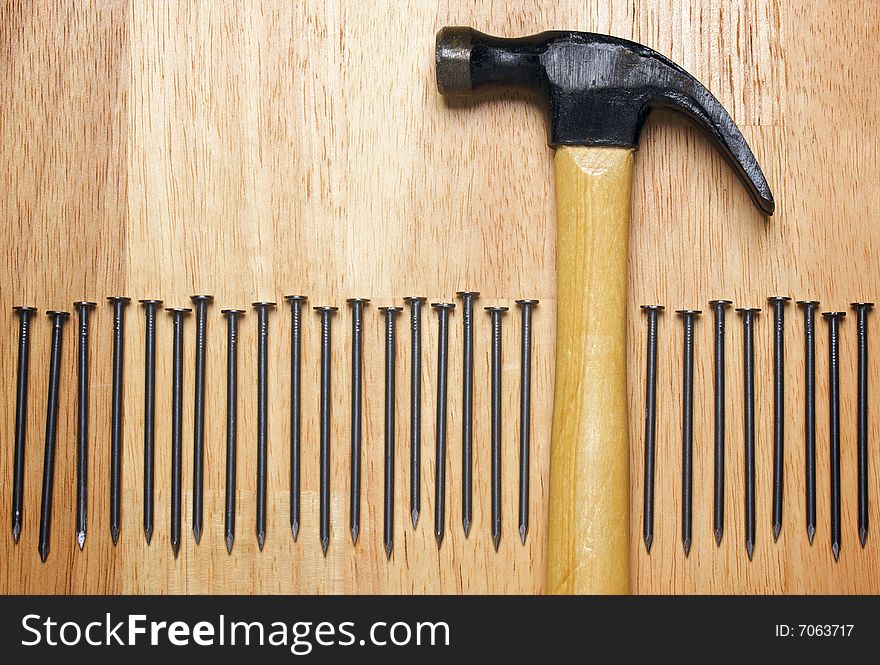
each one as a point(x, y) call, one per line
point(665, 117)
point(520, 96)
point(694, 135)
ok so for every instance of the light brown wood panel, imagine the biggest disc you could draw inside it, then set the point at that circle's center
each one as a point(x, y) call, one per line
point(255, 149)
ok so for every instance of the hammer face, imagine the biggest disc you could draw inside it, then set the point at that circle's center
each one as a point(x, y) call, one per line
point(599, 90)
point(453, 62)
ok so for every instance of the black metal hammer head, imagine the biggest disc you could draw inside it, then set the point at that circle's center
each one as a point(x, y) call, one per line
point(599, 90)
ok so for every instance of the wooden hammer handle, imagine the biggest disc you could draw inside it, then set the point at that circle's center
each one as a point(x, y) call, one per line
point(589, 454)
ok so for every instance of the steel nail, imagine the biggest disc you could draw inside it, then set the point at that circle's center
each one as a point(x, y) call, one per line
point(834, 319)
point(778, 303)
point(178, 315)
point(25, 314)
point(263, 309)
point(467, 408)
point(443, 310)
point(497, 314)
point(862, 309)
point(201, 303)
point(719, 307)
point(232, 319)
point(689, 317)
point(415, 407)
point(326, 360)
point(390, 382)
point(748, 318)
point(119, 304)
point(83, 309)
point(653, 312)
point(150, 307)
point(357, 385)
point(58, 319)
point(525, 413)
point(809, 307)
point(296, 305)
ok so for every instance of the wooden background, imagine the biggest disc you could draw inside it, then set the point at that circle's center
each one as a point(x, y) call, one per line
point(255, 149)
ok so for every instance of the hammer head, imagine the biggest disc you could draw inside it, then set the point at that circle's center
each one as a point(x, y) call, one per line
point(599, 90)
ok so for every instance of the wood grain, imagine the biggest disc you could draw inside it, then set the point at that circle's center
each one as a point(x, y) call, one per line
point(588, 548)
point(253, 149)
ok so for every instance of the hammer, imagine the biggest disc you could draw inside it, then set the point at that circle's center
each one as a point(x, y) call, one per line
point(599, 91)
